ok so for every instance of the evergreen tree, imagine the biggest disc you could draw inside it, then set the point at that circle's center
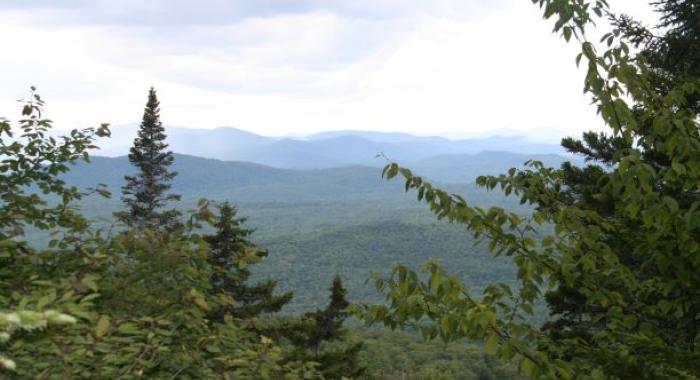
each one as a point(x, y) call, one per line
point(146, 193)
point(319, 337)
point(672, 59)
point(230, 256)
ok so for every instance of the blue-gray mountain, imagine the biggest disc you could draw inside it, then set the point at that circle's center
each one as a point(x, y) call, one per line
point(322, 150)
point(250, 182)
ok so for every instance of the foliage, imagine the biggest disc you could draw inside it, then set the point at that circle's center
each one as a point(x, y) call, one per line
point(372, 240)
point(32, 162)
point(317, 337)
point(146, 192)
point(157, 293)
point(396, 355)
point(230, 255)
point(625, 238)
point(27, 321)
point(671, 60)
point(133, 305)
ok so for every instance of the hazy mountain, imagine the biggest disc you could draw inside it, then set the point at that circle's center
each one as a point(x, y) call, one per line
point(246, 182)
point(466, 167)
point(223, 143)
point(290, 153)
point(322, 150)
point(391, 137)
point(250, 182)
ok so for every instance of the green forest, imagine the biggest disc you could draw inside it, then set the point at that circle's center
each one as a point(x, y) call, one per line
point(160, 265)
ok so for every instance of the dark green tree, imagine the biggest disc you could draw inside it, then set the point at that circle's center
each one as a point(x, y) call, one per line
point(673, 56)
point(230, 255)
point(672, 59)
point(319, 337)
point(146, 193)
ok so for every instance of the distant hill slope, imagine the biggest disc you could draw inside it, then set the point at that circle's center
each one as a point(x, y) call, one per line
point(323, 150)
point(465, 167)
point(306, 261)
point(250, 182)
point(246, 182)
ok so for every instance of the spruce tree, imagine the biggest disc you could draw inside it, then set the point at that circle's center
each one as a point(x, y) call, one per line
point(672, 58)
point(146, 193)
point(319, 337)
point(230, 255)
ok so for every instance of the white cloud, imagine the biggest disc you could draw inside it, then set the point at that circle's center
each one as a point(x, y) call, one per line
point(456, 67)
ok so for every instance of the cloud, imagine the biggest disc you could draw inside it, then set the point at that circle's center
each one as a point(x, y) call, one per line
point(225, 12)
point(277, 67)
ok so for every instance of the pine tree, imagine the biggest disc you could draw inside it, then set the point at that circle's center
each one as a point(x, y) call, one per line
point(319, 337)
point(230, 255)
point(146, 193)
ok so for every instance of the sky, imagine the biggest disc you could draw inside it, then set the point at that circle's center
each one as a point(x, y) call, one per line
point(284, 67)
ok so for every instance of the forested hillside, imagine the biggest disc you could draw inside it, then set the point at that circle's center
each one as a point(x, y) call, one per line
point(250, 182)
point(317, 222)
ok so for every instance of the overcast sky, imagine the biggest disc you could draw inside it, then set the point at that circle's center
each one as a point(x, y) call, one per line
point(278, 67)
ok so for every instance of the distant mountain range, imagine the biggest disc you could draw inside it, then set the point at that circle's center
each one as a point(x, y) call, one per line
point(244, 181)
point(228, 163)
point(326, 149)
point(250, 182)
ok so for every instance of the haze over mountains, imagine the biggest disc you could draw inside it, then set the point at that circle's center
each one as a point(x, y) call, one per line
point(333, 149)
point(249, 182)
point(229, 163)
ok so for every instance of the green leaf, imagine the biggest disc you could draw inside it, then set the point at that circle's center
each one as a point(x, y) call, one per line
point(528, 367)
point(90, 282)
point(128, 328)
point(567, 33)
point(629, 321)
point(102, 326)
point(492, 343)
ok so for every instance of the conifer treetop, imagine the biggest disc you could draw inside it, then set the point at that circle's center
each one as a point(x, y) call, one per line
point(146, 193)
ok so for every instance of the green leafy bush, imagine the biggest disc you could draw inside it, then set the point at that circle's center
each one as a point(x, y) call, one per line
point(101, 306)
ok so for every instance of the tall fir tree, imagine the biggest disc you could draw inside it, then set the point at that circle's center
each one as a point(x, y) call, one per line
point(320, 337)
point(230, 255)
point(145, 194)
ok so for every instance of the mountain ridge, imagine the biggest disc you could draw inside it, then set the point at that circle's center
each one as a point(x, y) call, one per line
point(254, 182)
point(320, 150)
